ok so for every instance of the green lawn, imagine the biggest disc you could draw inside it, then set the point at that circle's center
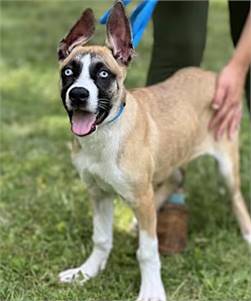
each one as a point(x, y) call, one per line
point(45, 218)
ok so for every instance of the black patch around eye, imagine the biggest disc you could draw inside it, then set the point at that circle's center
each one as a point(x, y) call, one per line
point(95, 69)
point(104, 85)
point(75, 67)
point(67, 81)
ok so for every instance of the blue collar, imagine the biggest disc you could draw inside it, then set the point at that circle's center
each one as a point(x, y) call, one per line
point(119, 113)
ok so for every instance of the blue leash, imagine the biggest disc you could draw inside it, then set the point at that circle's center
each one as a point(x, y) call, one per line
point(139, 18)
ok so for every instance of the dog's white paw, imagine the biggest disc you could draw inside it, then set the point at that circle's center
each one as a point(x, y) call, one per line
point(92, 266)
point(152, 292)
point(74, 275)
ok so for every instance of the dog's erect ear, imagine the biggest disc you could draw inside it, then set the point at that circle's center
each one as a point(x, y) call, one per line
point(119, 37)
point(80, 34)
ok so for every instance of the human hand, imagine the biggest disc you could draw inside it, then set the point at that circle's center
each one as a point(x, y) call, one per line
point(227, 101)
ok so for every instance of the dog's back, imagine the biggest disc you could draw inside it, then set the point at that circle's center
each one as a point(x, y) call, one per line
point(180, 109)
point(188, 90)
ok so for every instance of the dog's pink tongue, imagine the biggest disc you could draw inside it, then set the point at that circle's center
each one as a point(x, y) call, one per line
point(82, 122)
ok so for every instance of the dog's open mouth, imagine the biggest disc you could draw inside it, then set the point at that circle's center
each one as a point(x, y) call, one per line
point(84, 123)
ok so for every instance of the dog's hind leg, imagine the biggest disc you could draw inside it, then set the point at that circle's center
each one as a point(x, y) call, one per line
point(102, 240)
point(227, 155)
point(162, 192)
point(148, 256)
point(173, 184)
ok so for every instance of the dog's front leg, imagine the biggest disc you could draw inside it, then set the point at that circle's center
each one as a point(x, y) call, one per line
point(102, 239)
point(148, 256)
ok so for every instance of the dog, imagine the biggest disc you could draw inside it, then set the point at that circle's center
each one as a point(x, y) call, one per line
point(131, 143)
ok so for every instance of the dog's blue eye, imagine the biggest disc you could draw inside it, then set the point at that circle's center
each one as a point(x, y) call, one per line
point(68, 72)
point(103, 74)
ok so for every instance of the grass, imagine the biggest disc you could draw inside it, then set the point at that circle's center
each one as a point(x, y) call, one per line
point(45, 219)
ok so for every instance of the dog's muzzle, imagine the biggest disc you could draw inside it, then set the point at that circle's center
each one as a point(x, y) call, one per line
point(78, 97)
point(84, 122)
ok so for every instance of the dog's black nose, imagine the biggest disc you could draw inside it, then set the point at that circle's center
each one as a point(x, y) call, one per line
point(78, 96)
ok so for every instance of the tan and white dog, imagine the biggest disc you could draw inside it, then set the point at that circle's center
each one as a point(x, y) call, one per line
point(130, 142)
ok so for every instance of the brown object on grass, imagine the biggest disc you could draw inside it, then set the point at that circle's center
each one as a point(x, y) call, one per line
point(172, 228)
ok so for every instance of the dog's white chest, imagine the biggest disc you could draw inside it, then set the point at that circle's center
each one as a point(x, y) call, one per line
point(98, 159)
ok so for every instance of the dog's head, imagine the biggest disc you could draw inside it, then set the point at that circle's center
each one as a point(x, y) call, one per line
point(92, 76)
